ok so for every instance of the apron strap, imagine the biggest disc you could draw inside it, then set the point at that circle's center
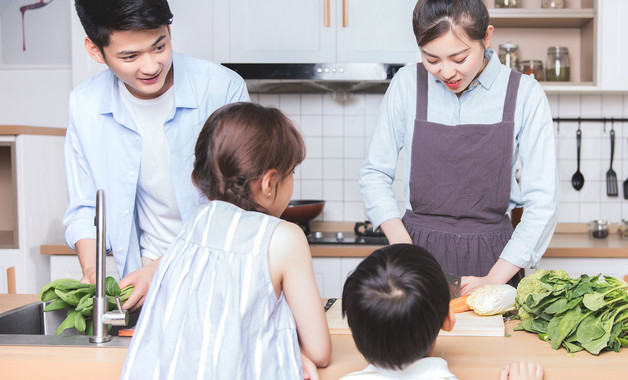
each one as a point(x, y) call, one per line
point(421, 98)
point(510, 102)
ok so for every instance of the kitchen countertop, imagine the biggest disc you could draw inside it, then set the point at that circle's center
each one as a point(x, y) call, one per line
point(14, 130)
point(569, 240)
point(468, 357)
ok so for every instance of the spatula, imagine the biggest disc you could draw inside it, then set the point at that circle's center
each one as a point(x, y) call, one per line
point(626, 189)
point(611, 176)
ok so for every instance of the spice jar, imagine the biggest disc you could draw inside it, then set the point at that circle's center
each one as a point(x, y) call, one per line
point(553, 4)
point(506, 3)
point(532, 67)
point(509, 55)
point(557, 65)
point(598, 229)
point(623, 229)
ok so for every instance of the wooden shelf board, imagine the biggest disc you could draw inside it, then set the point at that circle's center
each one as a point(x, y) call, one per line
point(546, 18)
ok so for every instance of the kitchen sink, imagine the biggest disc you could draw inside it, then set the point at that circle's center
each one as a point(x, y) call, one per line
point(30, 325)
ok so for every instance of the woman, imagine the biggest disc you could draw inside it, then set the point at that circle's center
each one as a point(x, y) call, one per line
point(464, 120)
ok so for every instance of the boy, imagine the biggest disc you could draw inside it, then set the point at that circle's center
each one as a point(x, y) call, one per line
point(396, 301)
point(132, 131)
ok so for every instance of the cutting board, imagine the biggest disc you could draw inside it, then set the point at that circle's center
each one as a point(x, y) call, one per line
point(467, 323)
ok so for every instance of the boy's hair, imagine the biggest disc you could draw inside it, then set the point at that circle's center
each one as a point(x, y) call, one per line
point(238, 144)
point(434, 18)
point(395, 302)
point(100, 18)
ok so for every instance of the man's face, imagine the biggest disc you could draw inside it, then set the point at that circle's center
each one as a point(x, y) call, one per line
point(142, 59)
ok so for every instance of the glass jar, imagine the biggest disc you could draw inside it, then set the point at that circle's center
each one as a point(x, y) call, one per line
point(553, 4)
point(623, 229)
point(598, 229)
point(506, 3)
point(532, 67)
point(509, 54)
point(557, 65)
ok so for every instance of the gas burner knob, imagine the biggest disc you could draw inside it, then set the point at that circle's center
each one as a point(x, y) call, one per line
point(340, 236)
point(318, 235)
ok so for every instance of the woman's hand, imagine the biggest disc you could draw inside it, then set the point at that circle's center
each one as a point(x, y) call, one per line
point(499, 274)
point(468, 284)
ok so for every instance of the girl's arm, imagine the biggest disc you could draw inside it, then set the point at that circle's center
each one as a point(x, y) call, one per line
point(290, 263)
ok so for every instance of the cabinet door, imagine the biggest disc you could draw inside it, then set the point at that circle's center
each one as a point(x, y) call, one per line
point(273, 31)
point(376, 31)
point(613, 52)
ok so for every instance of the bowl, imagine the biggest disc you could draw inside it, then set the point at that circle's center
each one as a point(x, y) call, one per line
point(302, 211)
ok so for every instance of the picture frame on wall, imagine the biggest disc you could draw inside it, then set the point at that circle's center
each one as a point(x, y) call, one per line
point(35, 33)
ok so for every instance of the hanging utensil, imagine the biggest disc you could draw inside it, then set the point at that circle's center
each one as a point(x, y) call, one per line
point(626, 189)
point(611, 176)
point(577, 181)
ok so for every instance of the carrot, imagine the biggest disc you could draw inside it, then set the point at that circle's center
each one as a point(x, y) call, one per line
point(459, 305)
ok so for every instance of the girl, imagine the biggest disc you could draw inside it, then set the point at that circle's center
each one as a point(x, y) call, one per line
point(235, 296)
point(464, 120)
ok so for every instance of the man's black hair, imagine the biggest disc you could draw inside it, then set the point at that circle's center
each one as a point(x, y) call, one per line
point(395, 302)
point(100, 18)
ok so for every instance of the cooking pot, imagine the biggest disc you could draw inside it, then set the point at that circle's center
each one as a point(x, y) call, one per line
point(302, 211)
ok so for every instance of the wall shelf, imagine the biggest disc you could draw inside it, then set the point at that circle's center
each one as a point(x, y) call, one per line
point(541, 18)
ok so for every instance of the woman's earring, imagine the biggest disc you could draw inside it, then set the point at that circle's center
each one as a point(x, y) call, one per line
point(269, 194)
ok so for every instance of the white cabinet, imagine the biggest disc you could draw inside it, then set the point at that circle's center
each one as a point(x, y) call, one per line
point(38, 202)
point(616, 267)
point(331, 273)
point(68, 266)
point(315, 31)
point(613, 45)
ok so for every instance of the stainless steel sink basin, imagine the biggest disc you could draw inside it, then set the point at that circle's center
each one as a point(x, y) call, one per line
point(30, 325)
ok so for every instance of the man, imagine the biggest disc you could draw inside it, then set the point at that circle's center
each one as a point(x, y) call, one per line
point(132, 131)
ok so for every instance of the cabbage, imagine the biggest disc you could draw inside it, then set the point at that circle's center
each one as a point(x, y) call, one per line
point(492, 299)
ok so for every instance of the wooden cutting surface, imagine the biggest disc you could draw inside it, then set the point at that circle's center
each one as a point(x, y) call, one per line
point(470, 358)
point(467, 324)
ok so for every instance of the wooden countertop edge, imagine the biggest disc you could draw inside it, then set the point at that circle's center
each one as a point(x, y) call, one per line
point(14, 130)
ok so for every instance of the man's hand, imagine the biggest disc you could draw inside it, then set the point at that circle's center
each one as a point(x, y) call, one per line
point(140, 279)
point(86, 251)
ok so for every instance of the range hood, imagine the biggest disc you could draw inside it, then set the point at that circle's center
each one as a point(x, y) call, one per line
point(316, 77)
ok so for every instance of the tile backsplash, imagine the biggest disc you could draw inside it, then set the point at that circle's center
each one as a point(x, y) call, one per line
point(337, 132)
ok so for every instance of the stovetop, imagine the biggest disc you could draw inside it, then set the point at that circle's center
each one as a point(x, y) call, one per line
point(362, 234)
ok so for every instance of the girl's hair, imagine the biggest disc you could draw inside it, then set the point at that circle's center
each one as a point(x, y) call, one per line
point(396, 301)
point(434, 18)
point(237, 145)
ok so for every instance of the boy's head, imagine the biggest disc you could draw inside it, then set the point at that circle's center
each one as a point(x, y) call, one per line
point(396, 301)
point(100, 18)
point(133, 38)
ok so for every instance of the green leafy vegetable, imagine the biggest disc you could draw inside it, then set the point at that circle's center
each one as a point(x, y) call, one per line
point(589, 313)
point(77, 298)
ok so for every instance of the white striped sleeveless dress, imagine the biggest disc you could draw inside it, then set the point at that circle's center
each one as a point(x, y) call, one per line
point(211, 311)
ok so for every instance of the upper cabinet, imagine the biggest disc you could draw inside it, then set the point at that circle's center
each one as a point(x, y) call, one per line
point(613, 47)
point(286, 31)
point(536, 29)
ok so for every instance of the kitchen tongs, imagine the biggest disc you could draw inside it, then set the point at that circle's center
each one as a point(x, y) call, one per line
point(611, 176)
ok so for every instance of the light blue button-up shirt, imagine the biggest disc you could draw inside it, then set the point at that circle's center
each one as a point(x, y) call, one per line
point(103, 149)
point(482, 103)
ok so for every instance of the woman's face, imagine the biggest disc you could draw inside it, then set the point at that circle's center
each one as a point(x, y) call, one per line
point(455, 60)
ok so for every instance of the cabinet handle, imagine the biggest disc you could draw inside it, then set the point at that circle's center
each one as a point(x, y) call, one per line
point(326, 12)
point(345, 13)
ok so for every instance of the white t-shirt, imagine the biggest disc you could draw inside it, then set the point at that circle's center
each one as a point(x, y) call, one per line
point(158, 215)
point(431, 368)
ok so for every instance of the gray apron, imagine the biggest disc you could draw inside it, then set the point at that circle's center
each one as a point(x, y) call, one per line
point(460, 180)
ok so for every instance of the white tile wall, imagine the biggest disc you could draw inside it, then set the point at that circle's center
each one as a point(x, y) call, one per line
point(337, 132)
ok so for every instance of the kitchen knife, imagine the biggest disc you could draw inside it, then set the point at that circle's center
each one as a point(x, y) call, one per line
point(454, 285)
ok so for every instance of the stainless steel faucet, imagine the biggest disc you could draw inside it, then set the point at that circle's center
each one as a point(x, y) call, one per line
point(102, 317)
